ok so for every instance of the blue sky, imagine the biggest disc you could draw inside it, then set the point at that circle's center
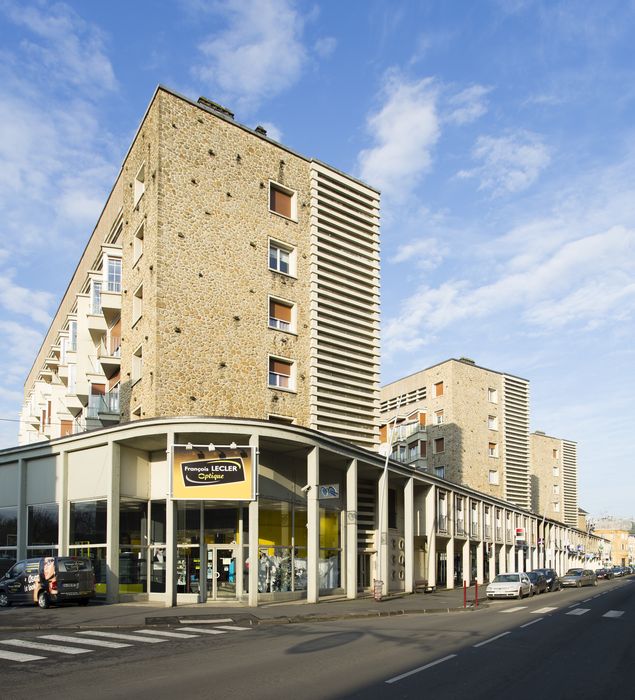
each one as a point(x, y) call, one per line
point(500, 132)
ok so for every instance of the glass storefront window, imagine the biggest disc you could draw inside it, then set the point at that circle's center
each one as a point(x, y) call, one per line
point(133, 522)
point(329, 568)
point(87, 523)
point(157, 522)
point(132, 570)
point(8, 527)
point(97, 556)
point(188, 515)
point(157, 569)
point(188, 569)
point(42, 525)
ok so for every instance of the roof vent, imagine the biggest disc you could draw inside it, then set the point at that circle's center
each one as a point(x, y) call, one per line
point(260, 130)
point(467, 360)
point(215, 107)
point(540, 432)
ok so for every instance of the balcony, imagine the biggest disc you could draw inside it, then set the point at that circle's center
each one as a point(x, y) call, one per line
point(73, 405)
point(404, 431)
point(111, 305)
point(104, 407)
point(96, 325)
point(109, 355)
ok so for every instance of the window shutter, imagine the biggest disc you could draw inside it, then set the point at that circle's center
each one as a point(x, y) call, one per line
point(280, 367)
point(280, 311)
point(280, 202)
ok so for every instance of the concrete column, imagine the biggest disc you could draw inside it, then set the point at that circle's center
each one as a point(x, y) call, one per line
point(467, 568)
point(480, 569)
point(22, 519)
point(382, 531)
point(502, 559)
point(449, 553)
point(520, 556)
point(351, 529)
point(254, 556)
point(408, 535)
point(170, 531)
point(112, 523)
point(313, 526)
point(492, 562)
point(63, 514)
point(240, 554)
point(431, 535)
point(511, 558)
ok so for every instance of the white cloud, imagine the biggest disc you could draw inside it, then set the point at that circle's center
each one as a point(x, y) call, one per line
point(510, 163)
point(325, 46)
point(424, 253)
point(258, 54)
point(468, 105)
point(27, 302)
point(405, 129)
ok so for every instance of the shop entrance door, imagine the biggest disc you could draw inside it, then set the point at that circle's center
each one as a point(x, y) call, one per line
point(221, 572)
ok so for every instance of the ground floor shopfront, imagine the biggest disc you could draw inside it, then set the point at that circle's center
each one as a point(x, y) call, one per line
point(316, 515)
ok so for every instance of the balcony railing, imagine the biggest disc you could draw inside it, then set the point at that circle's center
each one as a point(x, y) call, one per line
point(487, 531)
point(474, 530)
point(442, 523)
point(460, 526)
point(110, 347)
point(99, 404)
point(402, 432)
point(499, 532)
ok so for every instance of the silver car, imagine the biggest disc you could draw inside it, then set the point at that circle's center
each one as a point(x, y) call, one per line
point(512, 585)
point(579, 578)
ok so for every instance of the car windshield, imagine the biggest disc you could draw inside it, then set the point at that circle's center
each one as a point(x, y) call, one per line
point(507, 578)
point(574, 572)
point(533, 575)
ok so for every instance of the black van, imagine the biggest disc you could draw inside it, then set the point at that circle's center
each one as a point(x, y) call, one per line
point(47, 581)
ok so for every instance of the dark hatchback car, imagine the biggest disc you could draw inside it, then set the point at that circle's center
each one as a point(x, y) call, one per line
point(538, 582)
point(48, 580)
point(553, 582)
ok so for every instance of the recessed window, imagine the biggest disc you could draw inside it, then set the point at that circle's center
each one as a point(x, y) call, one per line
point(137, 304)
point(137, 243)
point(137, 364)
point(95, 297)
point(438, 417)
point(493, 477)
point(281, 373)
point(113, 272)
point(423, 448)
point(492, 449)
point(439, 445)
point(281, 258)
point(556, 490)
point(492, 422)
point(556, 507)
point(556, 471)
point(72, 336)
point(440, 472)
point(283, 201)
point(492, 395)
point(438, 389)
point(139, 184)
point(554, 454)
point(281, 315)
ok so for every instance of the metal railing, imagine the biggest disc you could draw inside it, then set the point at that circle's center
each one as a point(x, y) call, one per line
point(102, 403)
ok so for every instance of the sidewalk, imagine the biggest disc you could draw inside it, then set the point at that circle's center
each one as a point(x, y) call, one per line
point(127, 615)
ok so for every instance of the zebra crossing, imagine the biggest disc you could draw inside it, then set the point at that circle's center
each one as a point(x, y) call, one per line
point(86, 641)
point(573, 610)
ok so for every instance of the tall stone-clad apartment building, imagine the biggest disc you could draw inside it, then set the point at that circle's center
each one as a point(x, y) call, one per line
point(227, 275)
point(202, 419)
point(464, 423)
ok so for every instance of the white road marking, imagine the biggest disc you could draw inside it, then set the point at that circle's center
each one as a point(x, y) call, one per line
point(160, 633)
point(20, 658)
point(27, 644)
point(421, 668)
point(613, 613)
point(542, 611)
point(205, 622)
point(233, 628)
point(203, 631)
point(511, 610)
point(579, 611)
point(492, 639)
point(533, 622)
point(128, 637)
point(90, 642)
point(575, 605)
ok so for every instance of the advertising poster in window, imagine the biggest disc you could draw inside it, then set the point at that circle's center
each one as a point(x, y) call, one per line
point(221, 474)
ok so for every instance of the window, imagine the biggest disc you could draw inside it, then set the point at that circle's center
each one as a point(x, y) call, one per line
point(137, 304)
point(413, 452)
point(556, 507)
point(72, 336)
point(281, 258)
point(554, 454)
point(139, 184)
point(556, 490)
point(438, 417)
point(283, 201)
point(440, 472)
point(114, 275)
point(72, 378)
point(281, 373)
point(438, 389)
point(492, 449)
point(137, 243)
point(281, 315)
point(95, 299)
point(492, 395)
point(492, 422)
point(493, 477)
point(423, 449)
point(137, 364)
point(556, 471)
point(439, 445)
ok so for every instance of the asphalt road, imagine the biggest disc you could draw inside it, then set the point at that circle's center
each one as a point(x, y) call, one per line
point(574, 644)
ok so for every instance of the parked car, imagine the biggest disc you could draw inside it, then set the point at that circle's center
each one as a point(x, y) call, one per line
point(48, 580)
point(579, 577)
point(616, 571)
point(553, 582)
point(538, 582)
point(628, 570)
point(603, 573)
point(5, 564)
point(512, 585)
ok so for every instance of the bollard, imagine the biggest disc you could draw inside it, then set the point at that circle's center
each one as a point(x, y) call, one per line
point(476, 594)
point(465, 594)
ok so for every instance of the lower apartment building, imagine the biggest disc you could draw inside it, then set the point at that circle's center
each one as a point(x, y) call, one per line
point(304, 515)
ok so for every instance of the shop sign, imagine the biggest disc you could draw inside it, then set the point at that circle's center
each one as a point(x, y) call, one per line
point(520, 534)
point(221, 474)
point(329, 491)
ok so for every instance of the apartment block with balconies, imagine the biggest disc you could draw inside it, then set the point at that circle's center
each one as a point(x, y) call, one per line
point(227, 276)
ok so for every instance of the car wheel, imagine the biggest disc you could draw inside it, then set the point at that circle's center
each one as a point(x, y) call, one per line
point(578, 584)
point(43, 600)
point(4, 600)
point(520, 594)
point(595, 583)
